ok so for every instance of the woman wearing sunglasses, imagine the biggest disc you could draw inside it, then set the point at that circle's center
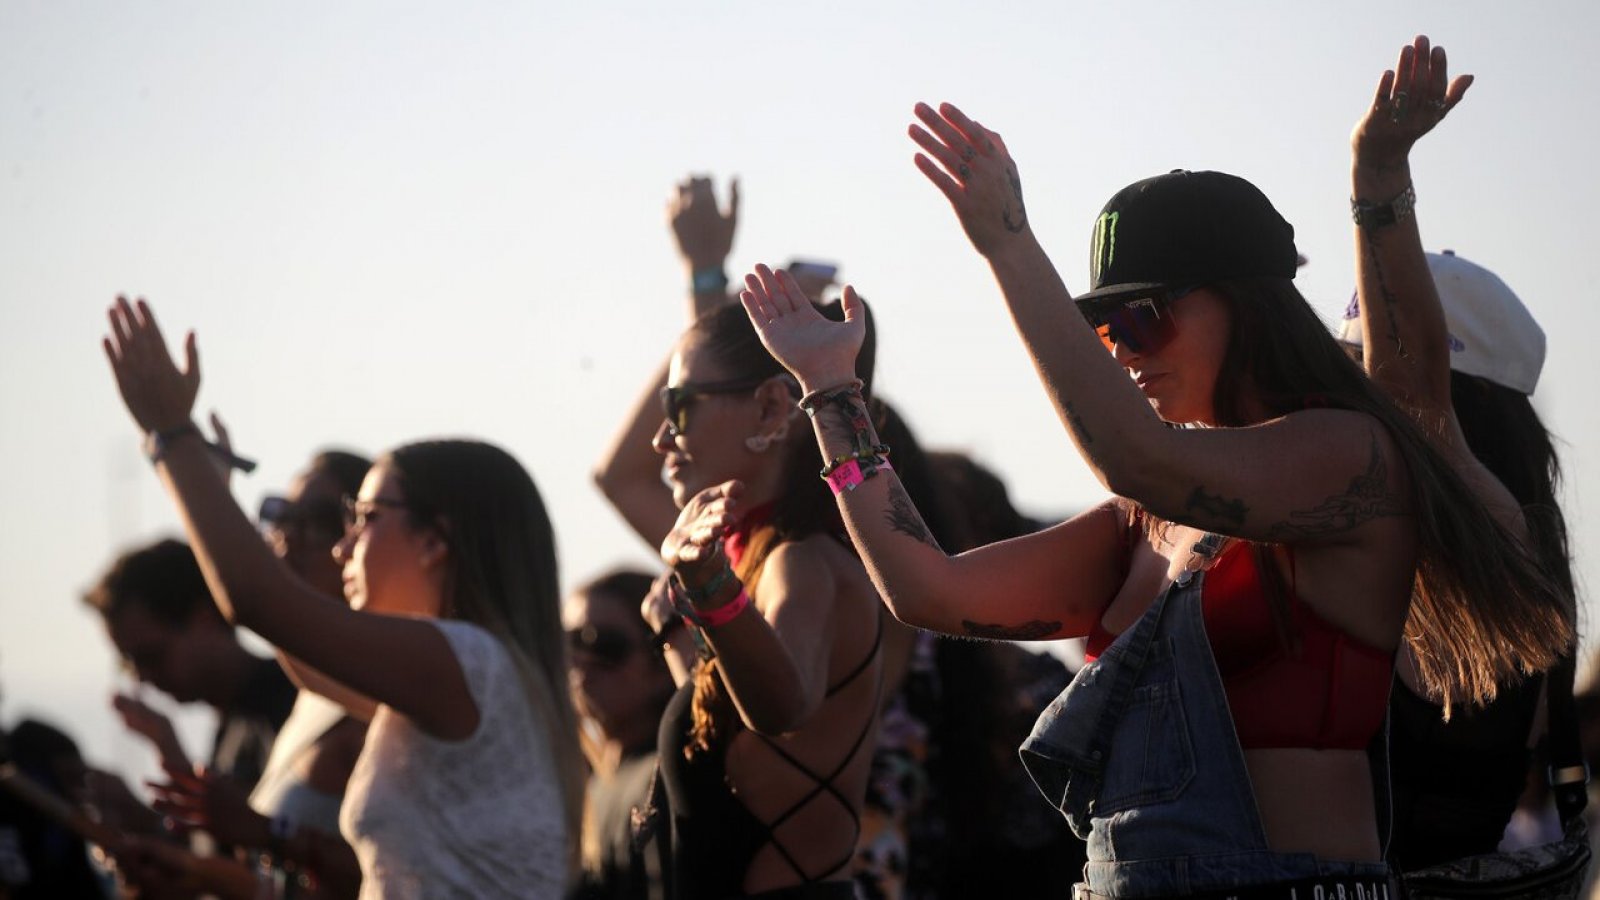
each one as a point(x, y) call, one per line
point(470, 782)
point(1245, 591)
point(620, 684)
point(772, 627)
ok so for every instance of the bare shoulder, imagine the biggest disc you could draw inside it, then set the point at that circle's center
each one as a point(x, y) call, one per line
point(1365, 481)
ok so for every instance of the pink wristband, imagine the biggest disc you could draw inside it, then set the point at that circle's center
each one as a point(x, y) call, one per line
point(848, 476)
point(725, 613)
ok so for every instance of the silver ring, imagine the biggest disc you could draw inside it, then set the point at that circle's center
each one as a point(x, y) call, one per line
point(967, 153)
point(1397, 106)
point(963, 170)
point(1437, 106)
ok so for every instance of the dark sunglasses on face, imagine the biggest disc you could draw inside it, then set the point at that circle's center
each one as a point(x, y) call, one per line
point(284, 514)
point(675, 399)
point(1141, 324)
point(610, 647)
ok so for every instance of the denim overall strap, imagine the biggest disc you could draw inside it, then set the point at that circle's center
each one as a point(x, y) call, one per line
point(1066, 755)
point(1169, 810)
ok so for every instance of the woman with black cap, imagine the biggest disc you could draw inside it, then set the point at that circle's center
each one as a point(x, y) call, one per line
point(1246, 589)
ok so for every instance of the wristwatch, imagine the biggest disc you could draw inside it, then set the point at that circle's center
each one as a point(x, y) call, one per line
point(1377, 215)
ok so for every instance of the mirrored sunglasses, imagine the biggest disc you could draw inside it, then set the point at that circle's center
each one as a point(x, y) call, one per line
point(1140, 324)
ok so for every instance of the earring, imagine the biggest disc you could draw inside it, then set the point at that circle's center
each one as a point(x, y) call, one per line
point(782, 433)
point(758, 443)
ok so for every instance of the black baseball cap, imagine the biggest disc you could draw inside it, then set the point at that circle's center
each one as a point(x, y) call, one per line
point(1185, 229)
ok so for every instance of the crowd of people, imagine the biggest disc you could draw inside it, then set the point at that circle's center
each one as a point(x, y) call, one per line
point(1297, 680)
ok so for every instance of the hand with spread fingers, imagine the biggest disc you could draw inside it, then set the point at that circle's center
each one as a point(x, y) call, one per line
point(703, 230)
point(971, 166)
point(693, 548)
point(1411, 99)
point(158, 394)
point(818, 351)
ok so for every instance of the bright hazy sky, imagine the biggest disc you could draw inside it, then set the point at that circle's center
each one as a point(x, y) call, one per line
point(390, 220)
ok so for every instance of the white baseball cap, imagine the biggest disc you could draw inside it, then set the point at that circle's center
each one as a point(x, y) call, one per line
point(1492, 335)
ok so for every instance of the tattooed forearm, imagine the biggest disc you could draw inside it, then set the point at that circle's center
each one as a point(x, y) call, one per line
point(1217, 507)
point(1028, 631)
point(1015, 225)
point(1385, 296)
point(1366, 498)
point(902, 516)
point(1075, 422)
point(846, 427)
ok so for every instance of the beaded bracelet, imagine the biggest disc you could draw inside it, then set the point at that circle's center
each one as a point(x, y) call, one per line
point(809, 401)
point(875, 455)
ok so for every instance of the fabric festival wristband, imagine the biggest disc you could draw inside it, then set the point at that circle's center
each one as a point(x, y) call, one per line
point(705, 281)
point(727, 612)
point(849, 476)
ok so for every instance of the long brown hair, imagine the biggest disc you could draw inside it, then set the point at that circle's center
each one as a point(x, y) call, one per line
point(804, 506)
point(502, 576)
point(1483, 613)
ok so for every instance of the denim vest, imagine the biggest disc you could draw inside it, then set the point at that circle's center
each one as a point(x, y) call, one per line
point(1139, 753)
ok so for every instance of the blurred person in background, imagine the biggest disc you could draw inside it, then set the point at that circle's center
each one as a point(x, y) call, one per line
point(620, 686)
point(1451, 342)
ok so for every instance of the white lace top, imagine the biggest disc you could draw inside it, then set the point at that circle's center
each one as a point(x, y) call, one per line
point(481, 817)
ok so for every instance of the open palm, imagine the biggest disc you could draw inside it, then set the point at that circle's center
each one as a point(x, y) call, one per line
point(817, 351)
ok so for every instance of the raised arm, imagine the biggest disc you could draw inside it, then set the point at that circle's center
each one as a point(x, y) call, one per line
point(629, 471)
point(1315, 475)
point(1405, 345)
point(704, 235)
point(403, 662)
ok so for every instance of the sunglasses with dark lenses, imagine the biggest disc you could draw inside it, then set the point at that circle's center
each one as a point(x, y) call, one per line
point(284, 514)
point(676, 399)
point(610, 647)
point(1141, 324)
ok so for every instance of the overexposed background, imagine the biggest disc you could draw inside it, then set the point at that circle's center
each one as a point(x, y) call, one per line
point(394, 220)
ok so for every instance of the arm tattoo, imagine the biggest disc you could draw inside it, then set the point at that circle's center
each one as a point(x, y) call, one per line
point(1028, 631)
point(1021, 221)
point(1366, 498)
point(1217, 507)
point(1075, 421)
point(1385, 295)
point(902, 516)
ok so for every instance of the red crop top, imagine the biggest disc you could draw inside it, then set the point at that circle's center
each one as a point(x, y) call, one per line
point(1330, 695)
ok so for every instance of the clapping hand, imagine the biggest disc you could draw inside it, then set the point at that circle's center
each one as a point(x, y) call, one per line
point(693, 548)
point(1411, 99)
point(971, 166)
point(818, 351)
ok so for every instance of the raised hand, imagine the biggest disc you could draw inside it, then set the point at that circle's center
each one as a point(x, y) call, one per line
point(153, 727)
point(819, 352)
point(694, 546)
point(971, 166)
point(158, 394)
point(704, 232)
point(1411, 99)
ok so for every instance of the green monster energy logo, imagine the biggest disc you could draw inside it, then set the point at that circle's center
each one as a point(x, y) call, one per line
point(1105, 243)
